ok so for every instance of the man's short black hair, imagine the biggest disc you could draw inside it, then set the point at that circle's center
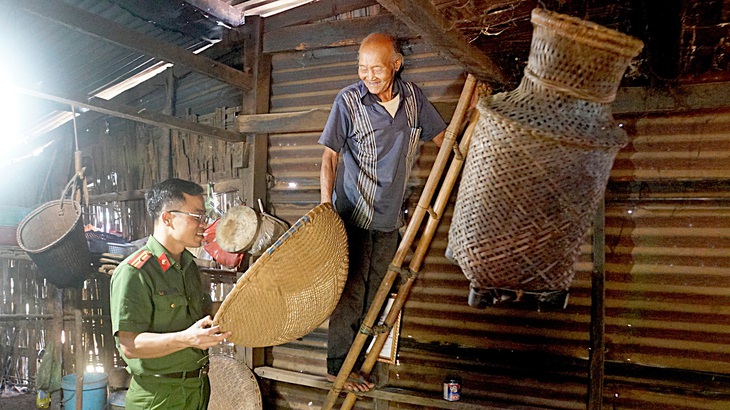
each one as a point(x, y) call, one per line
point(169, 192)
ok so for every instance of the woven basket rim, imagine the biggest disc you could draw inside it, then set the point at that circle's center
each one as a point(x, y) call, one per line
point(315, 226)
point(39, 210)
point(587, 32)
point(254, 269)
point(487, 110)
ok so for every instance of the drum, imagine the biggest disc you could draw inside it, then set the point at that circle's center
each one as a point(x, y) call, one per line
point(244, 229)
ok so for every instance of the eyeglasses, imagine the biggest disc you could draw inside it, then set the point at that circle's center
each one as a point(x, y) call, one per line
point(201, 218)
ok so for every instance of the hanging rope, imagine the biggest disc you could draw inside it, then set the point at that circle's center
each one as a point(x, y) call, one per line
point(79, 170)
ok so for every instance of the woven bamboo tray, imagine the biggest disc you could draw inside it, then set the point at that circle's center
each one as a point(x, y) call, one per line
point(293, 287)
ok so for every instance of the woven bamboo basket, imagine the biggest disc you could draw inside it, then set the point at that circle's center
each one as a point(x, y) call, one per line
point(233, 386)
point(540, 159)
point(293, 287)
point(53, 236)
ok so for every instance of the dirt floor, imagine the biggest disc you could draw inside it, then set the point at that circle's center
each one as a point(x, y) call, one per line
point(21, 402)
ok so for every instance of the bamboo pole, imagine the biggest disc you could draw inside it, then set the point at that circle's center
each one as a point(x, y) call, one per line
point(422, 208)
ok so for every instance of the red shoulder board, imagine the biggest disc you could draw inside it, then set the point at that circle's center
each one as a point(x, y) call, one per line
point(164, 262)
point(140, 258)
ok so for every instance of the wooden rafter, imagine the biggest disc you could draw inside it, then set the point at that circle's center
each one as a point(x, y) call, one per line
point(221, 10)
point(134, 114)
point(332, 33)
point(426, 20)
point(97, 26)
point(314, 11)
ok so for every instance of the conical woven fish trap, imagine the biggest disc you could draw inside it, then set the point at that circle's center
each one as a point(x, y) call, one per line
point(233, 386)
point(540, 159)
point(293, 287)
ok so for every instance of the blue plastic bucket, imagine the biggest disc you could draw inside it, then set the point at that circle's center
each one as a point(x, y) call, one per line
point(94, 397)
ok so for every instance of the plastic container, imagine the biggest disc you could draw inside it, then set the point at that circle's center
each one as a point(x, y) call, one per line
point(95, 393)
point(42, 400)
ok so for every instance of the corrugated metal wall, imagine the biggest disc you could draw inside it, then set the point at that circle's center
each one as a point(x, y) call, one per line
point(668, 267)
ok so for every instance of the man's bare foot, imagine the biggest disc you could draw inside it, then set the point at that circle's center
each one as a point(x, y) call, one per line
point(354, 383)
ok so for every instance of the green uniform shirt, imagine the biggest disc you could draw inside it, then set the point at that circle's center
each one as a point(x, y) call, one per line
point(157, 300)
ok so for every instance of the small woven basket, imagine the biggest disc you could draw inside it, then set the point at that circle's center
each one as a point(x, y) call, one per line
point(540, 159)
point(293, 287)
point(53, 236)
point(233, 386)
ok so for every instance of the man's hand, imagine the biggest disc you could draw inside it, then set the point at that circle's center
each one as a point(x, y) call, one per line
point(202, 334)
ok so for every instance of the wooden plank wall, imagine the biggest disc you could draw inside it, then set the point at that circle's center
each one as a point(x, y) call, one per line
point(667, 268)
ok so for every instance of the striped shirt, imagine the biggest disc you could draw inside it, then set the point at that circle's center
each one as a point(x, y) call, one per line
point(378, 152)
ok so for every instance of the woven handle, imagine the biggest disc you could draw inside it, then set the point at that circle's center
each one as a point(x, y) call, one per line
point(71, 183)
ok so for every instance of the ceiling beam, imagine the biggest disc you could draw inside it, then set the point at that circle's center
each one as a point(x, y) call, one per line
point(299, 121)
point(332, 33)
point(102, 28)
point(426, 20)
point(219, 9)
point(317, 10)
point(135, 114)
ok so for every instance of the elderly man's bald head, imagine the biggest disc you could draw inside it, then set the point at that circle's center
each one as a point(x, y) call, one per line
point(382, 40)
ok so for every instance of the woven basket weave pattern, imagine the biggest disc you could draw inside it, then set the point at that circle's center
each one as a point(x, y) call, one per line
point(540, 159)
point(233, 386)
point(525, 206)
point(579, 54)
point(293, 287)
point(53, 237)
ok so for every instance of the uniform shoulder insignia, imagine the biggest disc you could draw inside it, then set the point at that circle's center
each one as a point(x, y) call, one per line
point(140, 258)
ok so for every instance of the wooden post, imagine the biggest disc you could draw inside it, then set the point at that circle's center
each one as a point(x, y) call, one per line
point(596, 357)
point(56, 332)
point(164, 141)
point(80, 359)
point(256, 101)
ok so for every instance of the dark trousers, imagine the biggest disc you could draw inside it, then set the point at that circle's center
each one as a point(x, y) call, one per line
point(371, 252)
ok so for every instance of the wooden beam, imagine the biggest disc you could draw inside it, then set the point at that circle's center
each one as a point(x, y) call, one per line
point(392, 394)
point(332, 33)
point(688, 97)
point(221, 10)
point(135, 114)
point(99, 27)
point(135, 195)
point(317, 10)
point(299, 121)
point(305, 121)
point(426, 20)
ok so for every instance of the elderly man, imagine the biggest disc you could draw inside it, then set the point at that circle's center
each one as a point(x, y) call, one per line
point(376, 124)
point(159, 309)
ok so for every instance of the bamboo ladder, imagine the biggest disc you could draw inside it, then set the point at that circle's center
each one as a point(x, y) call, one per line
point(409, 275)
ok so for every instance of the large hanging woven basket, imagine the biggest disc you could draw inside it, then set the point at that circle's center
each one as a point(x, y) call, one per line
point(53, 236)
point(233, 386)
point(293, 287)
point(540, 159)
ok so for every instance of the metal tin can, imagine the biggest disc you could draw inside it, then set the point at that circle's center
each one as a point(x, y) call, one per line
point(452, 389)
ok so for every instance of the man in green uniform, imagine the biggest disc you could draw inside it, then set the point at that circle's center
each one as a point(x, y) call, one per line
point(158, 307)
